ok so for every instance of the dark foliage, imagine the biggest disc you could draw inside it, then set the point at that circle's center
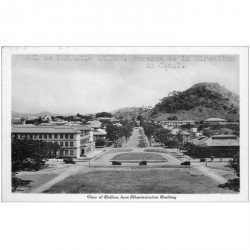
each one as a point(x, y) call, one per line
point(103, 114)
point(233, 184)
point(202, 96)
point(29, 154)
point(100, 142)
point(17, 182)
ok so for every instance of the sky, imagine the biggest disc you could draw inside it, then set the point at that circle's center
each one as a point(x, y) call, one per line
point(93, 83)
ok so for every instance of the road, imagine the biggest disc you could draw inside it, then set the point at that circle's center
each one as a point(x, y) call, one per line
point(133, 141)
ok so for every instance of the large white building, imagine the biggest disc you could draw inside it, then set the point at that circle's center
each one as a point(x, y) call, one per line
point(75, 141)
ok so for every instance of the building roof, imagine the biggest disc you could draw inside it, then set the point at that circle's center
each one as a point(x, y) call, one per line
point(106, 118)
point(185, 133)
point(218, 141)
point(81, 127)
point(179, 121)
point(99, 132)
point(94, 124)
point(43, 129)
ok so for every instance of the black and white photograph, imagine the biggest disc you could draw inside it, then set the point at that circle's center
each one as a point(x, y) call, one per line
point(126, 124)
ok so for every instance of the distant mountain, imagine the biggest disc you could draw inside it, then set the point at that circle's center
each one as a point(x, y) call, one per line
point(201, 101)
point(131, 112)
point(20, 115)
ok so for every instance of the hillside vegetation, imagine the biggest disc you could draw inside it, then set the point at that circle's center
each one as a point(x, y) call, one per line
point(129, 113)
point(201, 101)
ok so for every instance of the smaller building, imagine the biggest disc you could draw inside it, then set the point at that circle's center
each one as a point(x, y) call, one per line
point(31, 118)
point(215, 120)
point(99, 133)
point(16, 120)
point(94, 124)
point(194, 130)
point(175, 131)
point(177, 123)
point(219, 145)
point(47, 118)
point(105, 119)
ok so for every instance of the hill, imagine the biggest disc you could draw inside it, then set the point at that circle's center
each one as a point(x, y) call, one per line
point(131, 112)
point(201, 101)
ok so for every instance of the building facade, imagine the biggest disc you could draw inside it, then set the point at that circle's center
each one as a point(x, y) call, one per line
point(177, 123)
point(73, 142)
point(215, 120)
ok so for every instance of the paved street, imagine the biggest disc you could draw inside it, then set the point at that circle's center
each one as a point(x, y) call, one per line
point(134, 138)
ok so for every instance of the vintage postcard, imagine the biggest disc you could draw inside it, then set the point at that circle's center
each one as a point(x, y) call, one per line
point(125, 124)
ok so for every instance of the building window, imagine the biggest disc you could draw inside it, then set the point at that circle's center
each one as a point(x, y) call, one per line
point(66, 152)
point(45, 136)
point(40, 136)
point(66, 144)
point(35, 135)
point(50, 136)
point(61, 136)
point(55, 135)
point(71, 152)
point(71, 144)
point(61, 143)
point(31, 136)
point(71, 136)
point(66, 136)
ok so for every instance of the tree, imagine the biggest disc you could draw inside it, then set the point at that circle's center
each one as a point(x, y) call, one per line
point(233, 184)
point(29, 154)
point(100, 142)
point(127, 130)
point(148, 130)
point(113, 132)
point(21, 150)
point(103, 114)
point(139, 117)
point(187, 126)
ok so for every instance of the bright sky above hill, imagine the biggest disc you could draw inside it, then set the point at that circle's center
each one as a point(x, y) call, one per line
point(92, 83)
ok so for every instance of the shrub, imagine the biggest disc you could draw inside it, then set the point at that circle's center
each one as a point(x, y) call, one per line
point(100, 142)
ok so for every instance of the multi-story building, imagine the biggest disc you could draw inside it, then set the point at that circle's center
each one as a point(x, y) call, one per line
point(75, 141)
point(99, 133)
point(219, 145)
point(215, 120)
point(177, 122)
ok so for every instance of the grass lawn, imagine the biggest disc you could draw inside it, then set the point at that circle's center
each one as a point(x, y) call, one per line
point(138, 156)
point(31, 181)
point(139, 181)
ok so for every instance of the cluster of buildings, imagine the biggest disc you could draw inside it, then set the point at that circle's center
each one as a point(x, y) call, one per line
point(76, 140)
point(227, 144)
